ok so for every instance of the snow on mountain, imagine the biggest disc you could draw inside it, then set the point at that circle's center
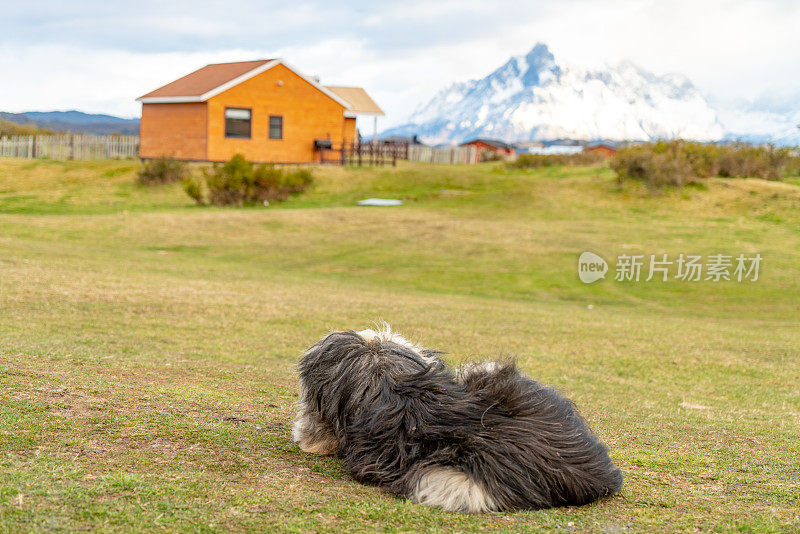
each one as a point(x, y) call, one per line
point(535, 98)
point(773, 118)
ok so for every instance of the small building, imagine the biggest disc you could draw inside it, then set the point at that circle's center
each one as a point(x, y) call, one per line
point(601, 149)
point(265, 110)
point(556, 150)
point(488, 148)
point(526, 146)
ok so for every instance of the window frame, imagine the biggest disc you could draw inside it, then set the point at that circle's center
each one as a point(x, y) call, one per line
point(250, 123)
point(269, 128)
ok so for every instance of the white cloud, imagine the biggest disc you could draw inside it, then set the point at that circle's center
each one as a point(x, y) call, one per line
point(96, 58)
point(52, 77)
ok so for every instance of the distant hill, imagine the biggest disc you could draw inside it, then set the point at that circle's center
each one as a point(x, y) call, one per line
point(75, 121)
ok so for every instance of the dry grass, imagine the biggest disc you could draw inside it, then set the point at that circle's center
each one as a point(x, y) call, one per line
point(146, 346)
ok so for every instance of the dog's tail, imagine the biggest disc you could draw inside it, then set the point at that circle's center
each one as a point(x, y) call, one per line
point(452, 489)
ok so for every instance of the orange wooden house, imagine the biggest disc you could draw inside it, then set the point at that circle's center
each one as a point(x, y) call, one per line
point(487, 147)
point(603, 150)
point(264, 110)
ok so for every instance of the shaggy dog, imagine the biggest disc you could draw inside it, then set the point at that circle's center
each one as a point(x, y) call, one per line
point(485, 439)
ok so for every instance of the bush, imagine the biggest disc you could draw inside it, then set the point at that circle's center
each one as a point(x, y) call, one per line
point(490, 155)
point(162, 170)
point(678, 163)
point(12, 128)
point(532, 161)
point(238, 182)
point(227, 184)
point(193, 189)
point(272, 183)
point(655, 168)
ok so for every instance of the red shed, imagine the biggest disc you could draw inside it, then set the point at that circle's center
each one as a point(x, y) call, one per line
point(491, 147)
point(606, 151)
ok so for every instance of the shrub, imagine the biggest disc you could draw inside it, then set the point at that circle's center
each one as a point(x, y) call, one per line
point(679, 163)
point(12, 128)
point(238, 182)
point(162, 170)
point(490, 155)
point(272, 183)
point(227, 183)
point(193, 189)
point(531, 161)
point(657, 167)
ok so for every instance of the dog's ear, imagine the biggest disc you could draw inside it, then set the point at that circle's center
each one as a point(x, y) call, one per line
point(332, 348)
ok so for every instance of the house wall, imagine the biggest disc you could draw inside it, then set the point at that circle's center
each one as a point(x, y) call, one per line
point(485, 146)
point(173, 130)
point(308, 114)
point(481, 147)
point(350, 130)
point(603, 151)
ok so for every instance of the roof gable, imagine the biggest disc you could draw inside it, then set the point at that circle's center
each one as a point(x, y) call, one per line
point(216, 78)
point(360, 101)
point(491, 142)
point(201, 81)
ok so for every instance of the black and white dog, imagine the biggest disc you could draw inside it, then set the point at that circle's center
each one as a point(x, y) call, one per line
point(485, 439)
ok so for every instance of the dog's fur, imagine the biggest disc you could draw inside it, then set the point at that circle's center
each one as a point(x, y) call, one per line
point(484, 439)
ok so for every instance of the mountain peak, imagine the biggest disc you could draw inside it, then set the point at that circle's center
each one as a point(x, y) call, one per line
point(540, 51)
point(534, 98)
point(539, 61)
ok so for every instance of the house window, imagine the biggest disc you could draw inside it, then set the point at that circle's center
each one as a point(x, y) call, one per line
point(237, 123)
point(276, 127)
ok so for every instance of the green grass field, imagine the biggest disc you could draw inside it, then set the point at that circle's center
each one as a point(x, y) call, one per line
point(147, 345)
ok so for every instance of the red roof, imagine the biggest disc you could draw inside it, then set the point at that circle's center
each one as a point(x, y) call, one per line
point(489, 142)
point(206, 79)
point(213, 79)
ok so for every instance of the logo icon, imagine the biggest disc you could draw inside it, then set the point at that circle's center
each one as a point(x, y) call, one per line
point(591, 267)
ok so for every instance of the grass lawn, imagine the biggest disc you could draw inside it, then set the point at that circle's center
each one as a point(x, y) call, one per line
point(147, 345)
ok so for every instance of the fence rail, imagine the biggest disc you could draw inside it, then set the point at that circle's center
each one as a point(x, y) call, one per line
point(70, 146)
point(387, 153)
point(451, 155)
point(83, 147)
point(372, 154)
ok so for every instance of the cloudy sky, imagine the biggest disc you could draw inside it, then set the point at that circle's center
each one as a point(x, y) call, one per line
point(98, 56)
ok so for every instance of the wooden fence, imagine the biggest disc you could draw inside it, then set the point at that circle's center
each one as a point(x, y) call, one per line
point(70, 146)
point(377, 154)
point(451, 155)
point(373, 154)
point(79, 146)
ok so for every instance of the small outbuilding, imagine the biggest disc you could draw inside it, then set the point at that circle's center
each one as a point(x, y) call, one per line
point(265, 110)
point(491, 148)
point(601, 149)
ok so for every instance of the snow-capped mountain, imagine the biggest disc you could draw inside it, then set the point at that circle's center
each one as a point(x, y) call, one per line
point(772, 118)
point(535, 98)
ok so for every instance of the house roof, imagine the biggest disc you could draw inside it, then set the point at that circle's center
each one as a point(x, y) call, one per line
point(213, 79)
point(609, 146)
point(201, 81)
point(360, 101)
point(491, 142)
